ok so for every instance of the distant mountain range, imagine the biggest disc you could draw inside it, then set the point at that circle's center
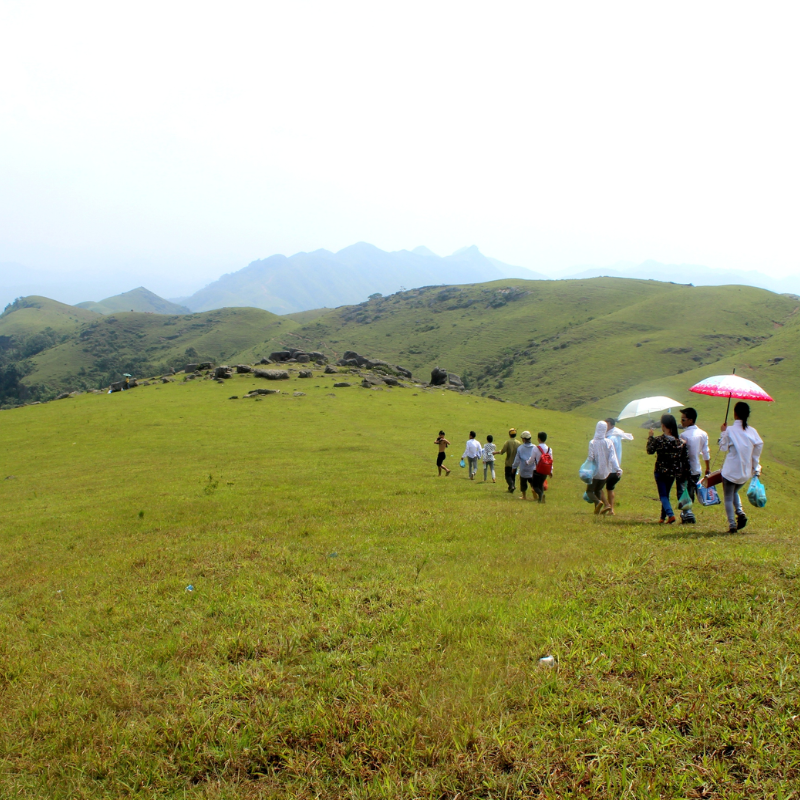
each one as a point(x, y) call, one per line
point(140, 299)
point(323, 279)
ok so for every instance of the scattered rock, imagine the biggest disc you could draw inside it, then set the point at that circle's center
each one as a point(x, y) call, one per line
point(305, 373)
point(222, 372)
point(272, 374)
point(340, 385)
point(256, 392)
point(234, 397)
point(242, 368)
point(265, 361)
point(299, 394)
point(329, 370)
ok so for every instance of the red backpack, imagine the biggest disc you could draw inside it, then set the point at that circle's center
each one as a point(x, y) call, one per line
point(544, 466)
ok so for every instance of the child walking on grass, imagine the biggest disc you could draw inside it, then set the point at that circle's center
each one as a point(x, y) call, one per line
point(488, 457)
point(442, 444)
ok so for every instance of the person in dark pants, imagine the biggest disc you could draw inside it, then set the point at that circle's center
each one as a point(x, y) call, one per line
point(696, 447)
point(539, 478)
point(510, 449)
point(442, 443)
point(672, 462)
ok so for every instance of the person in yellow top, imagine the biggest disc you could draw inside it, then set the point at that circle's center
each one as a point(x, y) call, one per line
point(510, 449)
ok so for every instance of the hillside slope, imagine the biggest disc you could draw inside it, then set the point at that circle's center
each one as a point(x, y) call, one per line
point(557, 344)
point(140, 299)
point(147, 343)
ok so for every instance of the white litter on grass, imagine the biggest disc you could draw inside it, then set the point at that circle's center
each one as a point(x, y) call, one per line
point(547, 661)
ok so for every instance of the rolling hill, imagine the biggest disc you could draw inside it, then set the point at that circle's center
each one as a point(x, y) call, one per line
point(586, 345)
point(140, 299)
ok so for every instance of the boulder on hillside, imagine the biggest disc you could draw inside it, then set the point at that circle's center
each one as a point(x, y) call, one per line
point(280, 355)
point(257, 392)
point(391, 381)
point(315, 355)
point(305, 373)
point(190, 368)
point(265, 361)
point(329, 370)
point(205, 365)
point(272, 374)
point(222, 372)
point(242, 368)
point(341, 385)
point(454, 380)
point(438, 376)
point(63, 396)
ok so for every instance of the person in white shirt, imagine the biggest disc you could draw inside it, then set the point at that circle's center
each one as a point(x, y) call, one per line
point(743, 446)
point(488, 458)
point(472, 452)
point(696, 448)
point(525, 464)
point(615, 435)
point(603, 454)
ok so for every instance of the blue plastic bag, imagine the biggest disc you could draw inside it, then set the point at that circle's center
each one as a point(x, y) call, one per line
point(587, 498)
point(462, 463)
point(708, 495)
point(756, 493)
point(587, 471)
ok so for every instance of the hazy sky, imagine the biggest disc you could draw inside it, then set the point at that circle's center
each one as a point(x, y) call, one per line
point(179, 140)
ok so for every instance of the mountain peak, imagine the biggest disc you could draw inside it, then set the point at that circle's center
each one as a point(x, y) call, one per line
point(472, 250)
point(424, 251)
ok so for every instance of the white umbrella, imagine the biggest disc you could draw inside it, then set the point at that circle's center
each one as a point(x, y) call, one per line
point(648, 405)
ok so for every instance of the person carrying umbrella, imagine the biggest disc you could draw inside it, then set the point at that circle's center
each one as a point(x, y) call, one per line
point(671, 462)
point(743, 447)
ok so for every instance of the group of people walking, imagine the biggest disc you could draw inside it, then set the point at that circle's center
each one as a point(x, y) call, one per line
point(682, 461)
point(533, 463)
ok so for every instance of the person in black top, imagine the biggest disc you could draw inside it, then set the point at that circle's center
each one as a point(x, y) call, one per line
point(672, 462)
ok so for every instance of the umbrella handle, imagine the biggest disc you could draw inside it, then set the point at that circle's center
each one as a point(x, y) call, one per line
point(729, 400)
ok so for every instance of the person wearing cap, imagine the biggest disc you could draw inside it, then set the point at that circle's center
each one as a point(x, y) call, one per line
point(525, 464)
point(472, 452)
point(510, 451)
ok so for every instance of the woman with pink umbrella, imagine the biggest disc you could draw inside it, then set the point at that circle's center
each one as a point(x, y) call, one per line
point(743, 447)
point(740, 441)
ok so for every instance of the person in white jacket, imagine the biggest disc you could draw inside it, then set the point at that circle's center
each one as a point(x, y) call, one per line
point(603, 454)
point(472, 452)
point(743, 447)
point(525, 464)
point(616, 435)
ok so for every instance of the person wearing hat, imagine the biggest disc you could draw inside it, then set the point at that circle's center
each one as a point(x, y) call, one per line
point(521, 463)
point(510, 450)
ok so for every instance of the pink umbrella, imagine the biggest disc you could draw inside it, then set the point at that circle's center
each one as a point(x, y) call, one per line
point(731, 386)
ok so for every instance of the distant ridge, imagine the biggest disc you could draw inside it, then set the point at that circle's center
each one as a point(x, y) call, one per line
point(140, 299)
point(304, 281)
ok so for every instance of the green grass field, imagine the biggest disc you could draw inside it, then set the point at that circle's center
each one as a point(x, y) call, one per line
point(358, 627)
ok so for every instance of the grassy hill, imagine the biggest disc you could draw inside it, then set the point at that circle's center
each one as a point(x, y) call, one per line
point(557, 344)
point(563, 345)
point(186, 613)
point(140, 299)
point(146, 343)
